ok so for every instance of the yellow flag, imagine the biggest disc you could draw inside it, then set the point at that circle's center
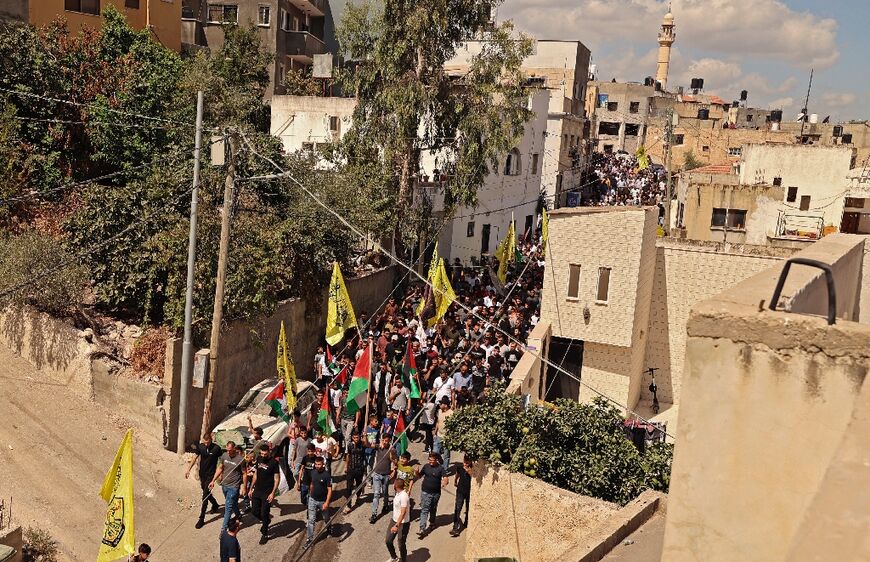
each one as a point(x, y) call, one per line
point(118, 536)
point(545, 233)
point(286, 371)
point(433, 267)
point(444, 295)
point(505, 251)
point(339, 311)
point(642, 158)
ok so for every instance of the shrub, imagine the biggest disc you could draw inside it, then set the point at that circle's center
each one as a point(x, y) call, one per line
point(39, 546)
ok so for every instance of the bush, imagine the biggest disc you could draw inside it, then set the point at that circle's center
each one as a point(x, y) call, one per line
point(149, 352)
point(39, 546)
point(25, 259)
point(578, 447)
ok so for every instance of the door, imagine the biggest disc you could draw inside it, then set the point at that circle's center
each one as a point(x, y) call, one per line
point(484, 239)
point(849, 225)
point(527, 229)
point(568, 354)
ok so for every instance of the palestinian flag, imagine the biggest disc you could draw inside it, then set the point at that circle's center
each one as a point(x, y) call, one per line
point(409, 372)
point(358, 392)
point(341, 377)
point(278, 402)
point(324, 416)
point(401, 436)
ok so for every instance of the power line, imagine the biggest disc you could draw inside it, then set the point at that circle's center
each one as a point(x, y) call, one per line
point(398, 261)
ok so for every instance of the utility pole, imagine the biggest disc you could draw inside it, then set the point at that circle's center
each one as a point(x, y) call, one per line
point(187, 346)
point(217, 315)
point(806, 111)
point(669, 132)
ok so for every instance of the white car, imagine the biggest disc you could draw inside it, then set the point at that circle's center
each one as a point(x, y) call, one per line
point(235, 426)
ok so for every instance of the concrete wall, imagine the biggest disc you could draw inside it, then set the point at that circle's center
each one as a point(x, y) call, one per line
point(766, 401)
point(305, 119)
point(14, 10)
point(687, 272)
point(13, 537)
point(761, 203)
point(512, 515)
point(248, 349)
point(702, 134)
point(528, 376)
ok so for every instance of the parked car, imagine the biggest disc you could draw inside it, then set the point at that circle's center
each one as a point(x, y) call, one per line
point(235, 426)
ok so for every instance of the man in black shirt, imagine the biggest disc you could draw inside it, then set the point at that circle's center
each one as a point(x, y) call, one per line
point(303, 483)
point(463, 493)
point(208, 453)
point(434, 477)
point(230, 550)
point(319, 497)
point(355, 460)
point(512, 357)
point(266, 480)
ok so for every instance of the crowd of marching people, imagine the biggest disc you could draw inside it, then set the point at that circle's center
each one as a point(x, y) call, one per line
point(420, 374)
point(621, 180)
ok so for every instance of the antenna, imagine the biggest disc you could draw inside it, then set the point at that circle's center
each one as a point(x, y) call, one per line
point(807, 103)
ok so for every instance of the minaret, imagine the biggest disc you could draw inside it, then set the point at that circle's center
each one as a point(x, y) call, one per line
point(666, 39)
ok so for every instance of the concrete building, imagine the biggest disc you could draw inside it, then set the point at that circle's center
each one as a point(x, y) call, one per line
point(296, 31)
point(774, 194)
point(561, 68)
point(771, 459)
point(854, 135)
point(161, 17)
point(667, 36)
point(307, 122)
point(621, 115)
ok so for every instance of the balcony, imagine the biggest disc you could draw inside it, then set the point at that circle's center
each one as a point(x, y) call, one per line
point(302, 46)
point(313, 8)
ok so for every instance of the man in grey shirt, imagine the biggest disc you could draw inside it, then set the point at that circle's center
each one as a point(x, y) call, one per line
point(233, 478)
point(400, 397)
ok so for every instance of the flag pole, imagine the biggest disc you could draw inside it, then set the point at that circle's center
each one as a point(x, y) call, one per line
point(371, 381)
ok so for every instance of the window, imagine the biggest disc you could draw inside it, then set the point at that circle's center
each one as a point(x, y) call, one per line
point(603, 284)
point(535, 163)
point(83, 6)
point(612, 106)
point(333, 123)
point(735, 151)
point(571, 140)
point(632, 130)
point(805, 202)
point(285, 20)
point(791, 197)
point(705, 148)
point(846, 139)
point(777, 181)
point(608, 149)
point(470, 231)
point(730, 219)
point(634, 107)
point(512, 163)
point(573, 281)
point(264, 16)
point(295, 23)
point(856, 202)
point(678, 139)
point(749, 118)
point(223, 13)
point(608, 128)
point(187, 10)
point(131, 4)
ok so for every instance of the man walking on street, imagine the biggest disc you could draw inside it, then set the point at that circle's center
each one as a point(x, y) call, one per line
point(400, 523)
point(233, 478)
point(208, 453)
point(383, 464)
point(230, 550)
point(319, 497)
point(263, 489)
point(434, 477)
point(463, 493)
point(355, 461)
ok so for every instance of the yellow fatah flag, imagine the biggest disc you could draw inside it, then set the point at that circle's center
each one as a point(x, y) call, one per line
point(505, 251)
point(545, 233)
point(339, 312)
point(286, 370)
point(642, 158)
point(433, 267)
point(118, 536)
point(444, 294)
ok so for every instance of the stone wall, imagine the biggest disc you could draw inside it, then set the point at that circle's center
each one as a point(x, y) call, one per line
point(248, 350)
point(13, 537)
point(687, 272)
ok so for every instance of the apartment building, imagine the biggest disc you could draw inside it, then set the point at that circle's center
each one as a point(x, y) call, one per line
point(162, 17)
point(296, 31)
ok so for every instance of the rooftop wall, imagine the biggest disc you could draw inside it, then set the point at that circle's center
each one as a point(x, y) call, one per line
point(767, 398)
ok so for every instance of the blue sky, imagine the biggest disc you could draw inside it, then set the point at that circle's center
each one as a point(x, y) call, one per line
point(764, 46)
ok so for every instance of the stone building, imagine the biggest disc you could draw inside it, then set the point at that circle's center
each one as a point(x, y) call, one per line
point(309, 122)
point(295, 31)
point(161, 17)
point(621, 115)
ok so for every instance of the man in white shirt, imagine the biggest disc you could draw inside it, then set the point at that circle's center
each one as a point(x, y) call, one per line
point(401, 522)
point(443, 385)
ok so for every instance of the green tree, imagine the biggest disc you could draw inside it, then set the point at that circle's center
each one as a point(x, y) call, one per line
point(408, 103)
point(578, 447)
point(301, 83)
point(690, 162)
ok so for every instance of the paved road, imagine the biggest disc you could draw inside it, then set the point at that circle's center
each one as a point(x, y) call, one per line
point(55, 449)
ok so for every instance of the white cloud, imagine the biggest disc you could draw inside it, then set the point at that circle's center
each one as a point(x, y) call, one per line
point(766, 29)
point(718, 74)
point(838, 99)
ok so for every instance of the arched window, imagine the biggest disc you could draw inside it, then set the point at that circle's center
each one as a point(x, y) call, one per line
point(512, 163)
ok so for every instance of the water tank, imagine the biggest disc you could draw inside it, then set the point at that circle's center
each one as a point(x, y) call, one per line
point(776, 115)
point(774, 125)
point(838, 130)
point(814, 118)
point(735, 103)
point(743, 95)
point(649, 81)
